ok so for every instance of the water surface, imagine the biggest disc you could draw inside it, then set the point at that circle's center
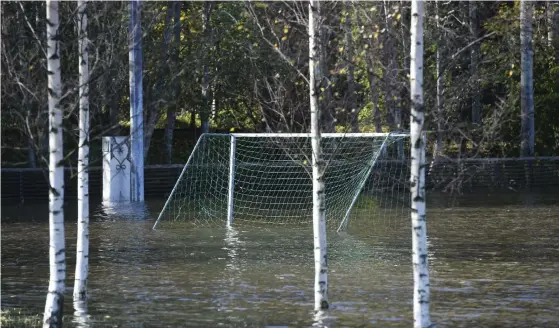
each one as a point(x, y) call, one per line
point(494, 263)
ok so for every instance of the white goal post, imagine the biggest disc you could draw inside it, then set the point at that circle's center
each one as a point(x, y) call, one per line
point(265, 178)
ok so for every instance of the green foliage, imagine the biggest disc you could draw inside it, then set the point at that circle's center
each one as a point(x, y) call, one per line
point(257, 55)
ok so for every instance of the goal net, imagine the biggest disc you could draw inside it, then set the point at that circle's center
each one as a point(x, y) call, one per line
point(267, 179)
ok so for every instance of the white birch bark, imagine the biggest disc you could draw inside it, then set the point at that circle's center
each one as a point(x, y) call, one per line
point(136, 104)
point(527, 129)
point(318, 165)
point(82, 247)
point(57, 258)
point(421, 297)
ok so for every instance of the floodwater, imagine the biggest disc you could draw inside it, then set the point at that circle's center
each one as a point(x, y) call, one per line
point(494, 262)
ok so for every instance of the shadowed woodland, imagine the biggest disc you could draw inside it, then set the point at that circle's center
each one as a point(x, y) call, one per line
point(242, 66)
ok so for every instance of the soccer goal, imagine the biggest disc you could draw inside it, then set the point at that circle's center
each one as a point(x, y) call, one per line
point(266, 178)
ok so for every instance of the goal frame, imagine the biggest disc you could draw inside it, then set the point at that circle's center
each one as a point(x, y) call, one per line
point(232, 164)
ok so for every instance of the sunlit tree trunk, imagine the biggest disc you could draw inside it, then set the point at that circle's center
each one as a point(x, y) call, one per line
point(526, 80)
point(421, 295)
point(55, 297)
point(82, 248)
point(318, 165)
point(135, 58)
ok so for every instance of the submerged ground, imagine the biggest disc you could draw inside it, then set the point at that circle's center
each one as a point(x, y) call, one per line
point(494, 263)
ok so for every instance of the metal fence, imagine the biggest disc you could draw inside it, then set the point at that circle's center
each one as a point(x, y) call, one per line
point(21, 185)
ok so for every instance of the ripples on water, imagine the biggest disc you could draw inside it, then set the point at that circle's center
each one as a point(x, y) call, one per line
point(495, 265)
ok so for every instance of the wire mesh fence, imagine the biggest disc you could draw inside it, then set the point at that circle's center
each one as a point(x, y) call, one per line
point(24, 185)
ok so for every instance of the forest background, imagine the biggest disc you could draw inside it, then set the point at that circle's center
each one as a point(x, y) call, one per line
point(241, 66)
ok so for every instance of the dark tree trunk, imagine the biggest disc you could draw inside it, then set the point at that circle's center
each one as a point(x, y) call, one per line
point(526, 80)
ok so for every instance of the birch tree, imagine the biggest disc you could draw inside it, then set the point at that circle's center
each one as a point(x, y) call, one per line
point(527, 129)
point(57, 258)
point(421, 316)
point(318, 164)
point(82, 248)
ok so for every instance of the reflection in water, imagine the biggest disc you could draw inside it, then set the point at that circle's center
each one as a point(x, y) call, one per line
point(123, 211)
point(321, 319)
point(232, 270)
point(81, 319)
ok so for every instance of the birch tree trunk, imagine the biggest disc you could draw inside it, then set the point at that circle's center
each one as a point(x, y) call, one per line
point(526, 80)
point(421, 297)
point(136, 104)
point(82, 248)
point(171, 110)
point(57, 257)
point(318, 165)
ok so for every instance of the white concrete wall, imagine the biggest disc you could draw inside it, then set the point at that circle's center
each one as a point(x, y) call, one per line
point(116, 169)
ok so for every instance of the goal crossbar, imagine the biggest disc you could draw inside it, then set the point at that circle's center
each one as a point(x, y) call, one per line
point(322, 135)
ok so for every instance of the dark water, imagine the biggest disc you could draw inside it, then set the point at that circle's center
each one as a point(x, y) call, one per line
point(494, 263)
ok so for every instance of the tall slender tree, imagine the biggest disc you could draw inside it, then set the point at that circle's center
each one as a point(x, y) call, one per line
point(57, 253)
point(318, 164)
point(527, 129)
point(82, 249)
point(421, 293)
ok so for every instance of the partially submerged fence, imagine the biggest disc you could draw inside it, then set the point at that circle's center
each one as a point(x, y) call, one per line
point(20, 185)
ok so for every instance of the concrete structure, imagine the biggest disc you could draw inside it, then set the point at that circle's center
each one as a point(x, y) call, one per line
point(116, 169)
